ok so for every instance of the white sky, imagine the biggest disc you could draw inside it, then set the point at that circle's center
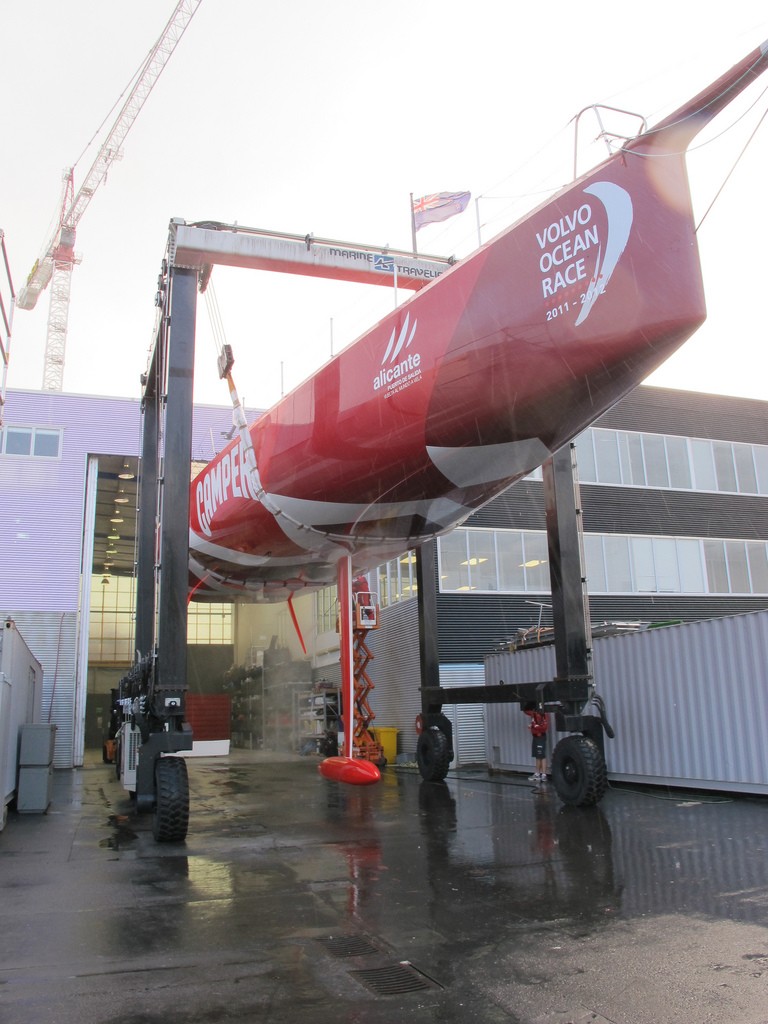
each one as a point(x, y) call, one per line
point(322, 116)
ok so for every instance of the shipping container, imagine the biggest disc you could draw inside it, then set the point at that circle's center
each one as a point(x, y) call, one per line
point(21, 694)
point(688, 703)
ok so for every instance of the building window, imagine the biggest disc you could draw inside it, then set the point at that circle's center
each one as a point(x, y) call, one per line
point(515, 562)
point(325, 609)
point(112, 620)
point(111, 625)
point(38, 442)
point(509, 545)
point(396, 579)
point(392, 581)
point(509, 561)
point(672, 462)
point(210, 623)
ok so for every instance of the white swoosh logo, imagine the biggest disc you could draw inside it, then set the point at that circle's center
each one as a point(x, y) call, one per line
point(484, 464)
point(400, 341)
point(618, 207)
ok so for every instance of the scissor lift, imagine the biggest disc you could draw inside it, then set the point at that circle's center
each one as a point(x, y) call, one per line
point(365, 615)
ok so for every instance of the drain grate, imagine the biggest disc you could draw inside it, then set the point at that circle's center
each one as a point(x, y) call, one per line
point(395, 980)
point(348, 945)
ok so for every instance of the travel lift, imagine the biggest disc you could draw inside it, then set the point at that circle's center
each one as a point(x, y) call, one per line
point(151, 697)
point(578, 766)
point(154, 730)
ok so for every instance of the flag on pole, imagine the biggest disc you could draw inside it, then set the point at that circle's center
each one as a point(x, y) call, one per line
point(438, 206)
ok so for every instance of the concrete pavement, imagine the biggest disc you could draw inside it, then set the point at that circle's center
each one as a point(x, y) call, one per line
point(295, 899)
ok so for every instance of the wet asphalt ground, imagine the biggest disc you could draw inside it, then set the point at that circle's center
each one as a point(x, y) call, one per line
point(297, 900)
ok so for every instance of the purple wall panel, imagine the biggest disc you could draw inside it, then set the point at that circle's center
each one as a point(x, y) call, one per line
point(42, 500)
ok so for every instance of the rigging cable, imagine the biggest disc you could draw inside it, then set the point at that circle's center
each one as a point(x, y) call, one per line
point(733, 168)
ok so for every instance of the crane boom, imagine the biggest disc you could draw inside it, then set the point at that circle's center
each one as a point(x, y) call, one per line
point(58, 256)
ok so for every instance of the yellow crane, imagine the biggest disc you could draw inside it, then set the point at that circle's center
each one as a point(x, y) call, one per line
point(58, 258)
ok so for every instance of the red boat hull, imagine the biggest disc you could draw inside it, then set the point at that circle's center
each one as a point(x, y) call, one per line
point(466, 387)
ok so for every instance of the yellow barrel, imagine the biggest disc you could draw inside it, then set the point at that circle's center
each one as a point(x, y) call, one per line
point(387, 737)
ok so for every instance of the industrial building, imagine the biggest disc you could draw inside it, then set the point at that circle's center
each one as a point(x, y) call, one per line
point(674, 492)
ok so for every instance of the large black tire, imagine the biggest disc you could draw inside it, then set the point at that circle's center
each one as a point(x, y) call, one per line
point(433, 755)
point(171, 818)
point(578, 771)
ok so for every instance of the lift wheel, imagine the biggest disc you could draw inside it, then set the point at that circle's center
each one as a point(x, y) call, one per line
point(171, 816)
point(578, 771)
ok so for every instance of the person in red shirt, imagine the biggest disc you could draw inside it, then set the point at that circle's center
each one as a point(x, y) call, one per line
point(538, 724)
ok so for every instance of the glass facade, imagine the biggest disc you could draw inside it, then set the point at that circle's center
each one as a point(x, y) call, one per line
point(326, 609)
point(396, 579)
point(111, 624)
point(393, 581)
point(515, 561)
point(668, 461)
point(110, 629)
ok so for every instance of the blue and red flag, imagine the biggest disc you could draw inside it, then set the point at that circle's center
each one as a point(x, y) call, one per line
point(438, 206)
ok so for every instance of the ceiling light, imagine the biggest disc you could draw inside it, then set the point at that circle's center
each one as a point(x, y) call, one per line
point(126, 473)
point(122, 498)
point(105, 581)
point(533, 563)
point(116, 518)
point(475, 561)
point(113, 536)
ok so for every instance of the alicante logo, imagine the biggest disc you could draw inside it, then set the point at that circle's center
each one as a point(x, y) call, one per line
point(400, 368)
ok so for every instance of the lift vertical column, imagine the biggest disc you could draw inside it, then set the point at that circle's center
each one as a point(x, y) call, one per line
point(434, 747)
point(159, 682)
point(177, 457)
point(578, 760)
point(426, 574)
point(570, 615)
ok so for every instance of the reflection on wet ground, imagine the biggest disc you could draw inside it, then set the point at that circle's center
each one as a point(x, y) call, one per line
point(295, 898)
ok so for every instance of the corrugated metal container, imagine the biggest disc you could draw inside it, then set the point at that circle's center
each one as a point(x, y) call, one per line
point(53, 637)
point(689, 703)
point(21, 689)
point(508, 739)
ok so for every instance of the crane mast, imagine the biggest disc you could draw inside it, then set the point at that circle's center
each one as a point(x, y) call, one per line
point(58, 258)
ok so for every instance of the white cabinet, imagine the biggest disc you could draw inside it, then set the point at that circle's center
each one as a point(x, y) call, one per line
point(35, 788)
